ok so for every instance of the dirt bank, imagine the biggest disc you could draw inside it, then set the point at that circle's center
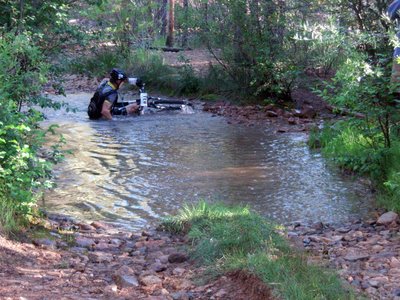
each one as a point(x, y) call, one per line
point(96, 261)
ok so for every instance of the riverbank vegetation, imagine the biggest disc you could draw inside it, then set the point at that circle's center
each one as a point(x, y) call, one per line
point(234, 238)
point(30, 35)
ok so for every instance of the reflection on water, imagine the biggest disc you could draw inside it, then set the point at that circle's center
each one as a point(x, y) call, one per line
point(134, 170)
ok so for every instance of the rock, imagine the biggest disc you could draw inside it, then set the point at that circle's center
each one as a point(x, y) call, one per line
point(343, 230)
point(150, 280)
point(396, 292)
point(352, 257)
point(99, 225)
point(336, 238)
point(318, 226)
point(147, 234)
point(125, 281)
point(387, 218)
point(85, 227)
point(377, 248)
point(124, 277)
point(395, 263)
point(291, 121)
point(45, 243)
point(378, 281)
point(158, 267)
point(84, 242)
point(99, 257)
point(270, 113)
point(178, 271)
point(221, 294)
point(103, 246)
point(181, 295)
point(177, 258)
point(308, 112)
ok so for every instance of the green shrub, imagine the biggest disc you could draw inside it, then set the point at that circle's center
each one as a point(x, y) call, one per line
point(231, 238)
point(23, 172)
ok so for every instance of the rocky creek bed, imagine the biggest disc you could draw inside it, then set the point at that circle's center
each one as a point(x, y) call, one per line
point(97, 261)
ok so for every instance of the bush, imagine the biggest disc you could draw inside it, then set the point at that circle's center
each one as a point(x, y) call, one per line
point(23, 172)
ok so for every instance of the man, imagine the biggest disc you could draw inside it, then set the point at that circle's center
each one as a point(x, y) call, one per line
point(394, 14)
point(104, 102)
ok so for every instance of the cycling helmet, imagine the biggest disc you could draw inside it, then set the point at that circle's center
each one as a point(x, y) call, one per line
point(118, 75)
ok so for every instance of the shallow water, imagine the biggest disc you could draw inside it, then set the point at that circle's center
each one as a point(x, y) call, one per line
point(133, 171)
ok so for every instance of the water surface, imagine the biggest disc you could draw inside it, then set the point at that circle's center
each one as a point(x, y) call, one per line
point(133, 171)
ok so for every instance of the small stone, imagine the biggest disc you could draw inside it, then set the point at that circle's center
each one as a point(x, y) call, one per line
point(99, 225)
point(177, 258)
point(395, 263)
point(356, 257)
point(84, 242)
point(164, 259)
point(374, 283)
point(220, 294)
point(45, 243)
point(377, 248)
point(387, 218)
point(343, 230)
point(99, 257)
point(158, 267)
point(150, 280)
point(125, 281)
point(396, 292)
point(145, 233)
point(178, 271)
point(181, 295)
point(270, 113)
point(86, 227)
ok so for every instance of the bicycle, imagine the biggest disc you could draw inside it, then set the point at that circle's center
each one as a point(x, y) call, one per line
point(156, 104)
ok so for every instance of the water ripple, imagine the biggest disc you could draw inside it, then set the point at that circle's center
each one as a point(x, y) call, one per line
point(132, 171)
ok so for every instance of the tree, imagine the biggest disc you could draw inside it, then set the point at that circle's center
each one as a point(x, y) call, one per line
point(171, 21)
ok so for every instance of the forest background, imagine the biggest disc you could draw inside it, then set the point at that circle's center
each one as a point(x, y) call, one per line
point(341, 50)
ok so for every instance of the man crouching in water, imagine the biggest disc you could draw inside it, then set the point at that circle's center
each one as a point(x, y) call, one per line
point(110, 88)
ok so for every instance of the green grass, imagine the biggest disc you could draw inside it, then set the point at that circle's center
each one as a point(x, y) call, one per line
point(363, 152)
point(8, 222)
point(231, 238)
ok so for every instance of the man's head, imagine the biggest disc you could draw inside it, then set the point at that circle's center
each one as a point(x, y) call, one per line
point(118, 77)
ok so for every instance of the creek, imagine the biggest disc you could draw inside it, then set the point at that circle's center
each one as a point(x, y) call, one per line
point(133, 171)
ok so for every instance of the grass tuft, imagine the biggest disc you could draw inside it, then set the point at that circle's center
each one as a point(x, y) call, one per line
point(234, 238)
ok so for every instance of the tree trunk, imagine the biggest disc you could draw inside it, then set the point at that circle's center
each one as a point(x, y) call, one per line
point(161, 18)
point(171, 17)
point(185, 25)
point(21, 16)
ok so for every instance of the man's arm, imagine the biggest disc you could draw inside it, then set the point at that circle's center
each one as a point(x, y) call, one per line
point(106, 110)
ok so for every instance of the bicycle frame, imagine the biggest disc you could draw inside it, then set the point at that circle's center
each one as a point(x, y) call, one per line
point(145, 101)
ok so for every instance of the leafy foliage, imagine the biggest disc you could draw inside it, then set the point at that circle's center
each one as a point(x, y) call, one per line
point(24, 170)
